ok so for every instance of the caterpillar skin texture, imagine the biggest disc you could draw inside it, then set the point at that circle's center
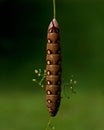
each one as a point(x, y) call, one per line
point(53, 68)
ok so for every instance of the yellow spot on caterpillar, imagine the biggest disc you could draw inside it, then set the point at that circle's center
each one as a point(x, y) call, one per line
point(48, 92)
point(48, 62)
point(50, 30)
point(49, 41)
point(48, 72)
point(48, 82)
point(49, 101)
point(48, 52)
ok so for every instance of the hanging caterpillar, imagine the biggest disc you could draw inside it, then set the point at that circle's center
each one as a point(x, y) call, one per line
point(53, 68)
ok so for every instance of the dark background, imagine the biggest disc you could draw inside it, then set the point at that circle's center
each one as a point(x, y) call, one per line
point(23, 30)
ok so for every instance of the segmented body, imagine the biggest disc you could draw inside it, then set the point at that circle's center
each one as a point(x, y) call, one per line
point(53, 68)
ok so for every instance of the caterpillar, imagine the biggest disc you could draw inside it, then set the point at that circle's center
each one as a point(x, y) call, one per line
point(53, 68)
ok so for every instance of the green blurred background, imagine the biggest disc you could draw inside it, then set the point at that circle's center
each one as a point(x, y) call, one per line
point(23, 30)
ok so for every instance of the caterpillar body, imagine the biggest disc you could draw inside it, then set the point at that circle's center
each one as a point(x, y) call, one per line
point(53, 68)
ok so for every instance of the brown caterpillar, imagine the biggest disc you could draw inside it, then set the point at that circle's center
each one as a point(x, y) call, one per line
point(53, 68)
